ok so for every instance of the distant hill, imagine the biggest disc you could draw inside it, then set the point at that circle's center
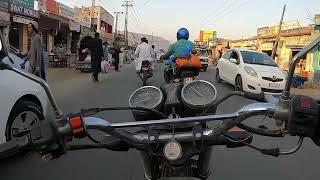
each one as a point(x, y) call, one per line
point(159, 42)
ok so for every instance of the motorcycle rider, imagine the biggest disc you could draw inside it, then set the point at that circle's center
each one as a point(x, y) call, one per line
point(182, 48)
point(143, 52)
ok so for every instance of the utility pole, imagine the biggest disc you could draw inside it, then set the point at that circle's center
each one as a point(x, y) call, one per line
point(92, 14)
point(117, 20)
point(127, 4)
point(275, 46)
point(152, 39)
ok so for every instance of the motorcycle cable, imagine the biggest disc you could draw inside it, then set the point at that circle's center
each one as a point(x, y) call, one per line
point(92, 111)
point(272, 152)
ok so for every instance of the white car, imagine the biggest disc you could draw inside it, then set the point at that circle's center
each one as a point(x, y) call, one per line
point(251, 71)
point(203, 58)
point(22, 101)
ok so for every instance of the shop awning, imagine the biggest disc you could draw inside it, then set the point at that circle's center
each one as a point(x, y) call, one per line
point(50, 21)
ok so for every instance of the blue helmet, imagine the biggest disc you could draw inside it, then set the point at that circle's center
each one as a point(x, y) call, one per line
point(183, 33)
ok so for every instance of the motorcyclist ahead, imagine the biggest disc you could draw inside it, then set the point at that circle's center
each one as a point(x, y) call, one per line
point(180, 53)
point(143, 52)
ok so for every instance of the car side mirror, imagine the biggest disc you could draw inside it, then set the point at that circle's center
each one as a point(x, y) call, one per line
point(234, 61)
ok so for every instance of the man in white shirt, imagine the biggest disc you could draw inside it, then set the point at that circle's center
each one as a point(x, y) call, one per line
point(143, 52)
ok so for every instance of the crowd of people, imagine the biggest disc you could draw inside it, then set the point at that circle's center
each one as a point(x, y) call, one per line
point(100, 51)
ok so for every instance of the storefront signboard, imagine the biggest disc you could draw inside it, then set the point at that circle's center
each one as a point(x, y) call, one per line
point(24, 11)
point(263, 31)
point(24, 3)
point(48, 6)
point(66, 11)
point(21, 19)
point(74, 26)
point(267, 46)
point(317, 19)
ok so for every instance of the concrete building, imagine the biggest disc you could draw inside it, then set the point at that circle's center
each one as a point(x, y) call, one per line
point(22, 12)
point(102, 21)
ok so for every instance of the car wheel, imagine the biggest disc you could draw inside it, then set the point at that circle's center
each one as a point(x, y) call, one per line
point(205, 69)
point(238, 84)
point(218, 79)
point(23, 116)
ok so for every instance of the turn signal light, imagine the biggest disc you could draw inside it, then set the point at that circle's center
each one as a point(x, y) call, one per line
point(77, 125)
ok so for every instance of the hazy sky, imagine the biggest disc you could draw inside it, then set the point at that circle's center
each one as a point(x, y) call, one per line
point(231, 19)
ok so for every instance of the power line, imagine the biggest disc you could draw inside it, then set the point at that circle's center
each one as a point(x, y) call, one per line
point(107, 6)
point(206, 18)
point(218, 14)
point(239, 6)
point(146, 2)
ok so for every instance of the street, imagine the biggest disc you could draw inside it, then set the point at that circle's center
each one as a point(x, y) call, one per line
point(74, 90)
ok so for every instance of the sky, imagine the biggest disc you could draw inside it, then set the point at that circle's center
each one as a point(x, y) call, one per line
point(232, 19)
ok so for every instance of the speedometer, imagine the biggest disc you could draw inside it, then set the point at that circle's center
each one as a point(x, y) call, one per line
point(198, 94)
point(147, 96)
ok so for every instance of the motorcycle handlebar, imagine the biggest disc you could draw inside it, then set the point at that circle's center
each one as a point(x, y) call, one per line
point(230, 120)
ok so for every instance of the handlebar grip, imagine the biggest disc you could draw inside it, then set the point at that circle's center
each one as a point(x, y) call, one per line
point(11, 147)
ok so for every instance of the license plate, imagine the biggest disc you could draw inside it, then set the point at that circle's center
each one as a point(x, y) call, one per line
point(274, 85)
point(145, 68)
point(204, 63)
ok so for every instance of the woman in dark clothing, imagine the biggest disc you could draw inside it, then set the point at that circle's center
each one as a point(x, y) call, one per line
point(116, 51)
point(96, 56)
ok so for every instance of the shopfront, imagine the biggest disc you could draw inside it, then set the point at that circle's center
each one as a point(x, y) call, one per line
point(316, 58)
point(22, 13)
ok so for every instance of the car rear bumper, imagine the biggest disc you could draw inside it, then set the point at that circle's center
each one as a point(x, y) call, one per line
point(258, 85)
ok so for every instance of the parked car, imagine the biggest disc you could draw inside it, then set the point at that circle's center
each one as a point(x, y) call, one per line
point(203, 58)
point(15, 61)
point(22, 101)
point(251, 71)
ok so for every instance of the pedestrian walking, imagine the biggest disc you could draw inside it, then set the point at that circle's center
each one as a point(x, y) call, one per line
point(35, 54)
point(116, 52)
point(105, 51)
point(96, 50)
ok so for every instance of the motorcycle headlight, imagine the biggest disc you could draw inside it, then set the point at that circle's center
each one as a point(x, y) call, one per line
point(172, 150)
point(251, 71)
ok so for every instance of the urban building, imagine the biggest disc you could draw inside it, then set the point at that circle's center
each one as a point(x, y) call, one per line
point(22, 12)
point(102, 21)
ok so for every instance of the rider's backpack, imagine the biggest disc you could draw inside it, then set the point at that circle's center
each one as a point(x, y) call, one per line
point(187, 62)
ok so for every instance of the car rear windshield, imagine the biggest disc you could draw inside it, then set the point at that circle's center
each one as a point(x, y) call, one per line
point(251, 57)
point(203, 53)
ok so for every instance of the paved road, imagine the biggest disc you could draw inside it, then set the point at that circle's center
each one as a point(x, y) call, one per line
point(75, 90)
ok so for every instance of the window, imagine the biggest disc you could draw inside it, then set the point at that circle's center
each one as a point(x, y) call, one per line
point(235, 55)
point(251, 57)
point(203, 53)
point(109, 29)
point(227, 54)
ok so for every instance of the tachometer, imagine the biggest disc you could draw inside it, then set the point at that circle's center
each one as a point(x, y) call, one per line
point(147, 96)
point(198, 94)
